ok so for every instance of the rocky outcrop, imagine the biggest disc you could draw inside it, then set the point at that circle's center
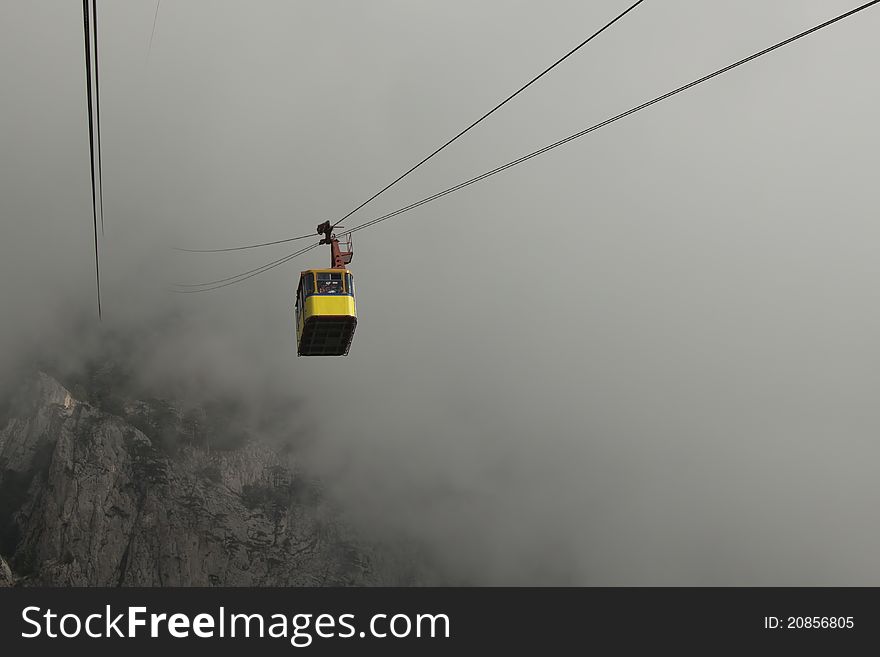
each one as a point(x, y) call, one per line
point(6, 578)
point(88, 499)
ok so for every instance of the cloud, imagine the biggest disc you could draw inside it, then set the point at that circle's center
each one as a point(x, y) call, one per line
point(642, 359)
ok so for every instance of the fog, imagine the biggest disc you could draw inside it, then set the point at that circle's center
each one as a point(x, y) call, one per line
point(648, 357)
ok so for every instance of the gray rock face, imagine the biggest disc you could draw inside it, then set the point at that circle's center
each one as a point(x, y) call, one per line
point(5, 574)
point(87, 499)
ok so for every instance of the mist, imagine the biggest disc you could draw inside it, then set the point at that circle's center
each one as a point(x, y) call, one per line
point(646, 358)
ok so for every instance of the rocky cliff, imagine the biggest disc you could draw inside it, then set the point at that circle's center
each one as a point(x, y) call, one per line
point(93, 498)
point(5, 574)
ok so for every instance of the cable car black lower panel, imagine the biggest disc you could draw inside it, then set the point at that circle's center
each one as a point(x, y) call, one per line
point(327, 335)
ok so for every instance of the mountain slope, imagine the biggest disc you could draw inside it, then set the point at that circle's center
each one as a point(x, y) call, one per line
point(89, 499)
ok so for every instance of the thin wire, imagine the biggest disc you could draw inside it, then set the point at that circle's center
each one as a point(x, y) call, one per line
point(276, 263)
point(494, 109)
point(153, 32)
point(229, 278)
point(225, 282)
point(249, 246)
point(98, 114)
point(609, 121)
point(472, 125)
point(245, 273)
point(92, 146)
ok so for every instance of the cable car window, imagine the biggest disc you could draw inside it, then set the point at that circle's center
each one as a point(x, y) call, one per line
point(329, 283)
point(349, 284)
point(308, 284)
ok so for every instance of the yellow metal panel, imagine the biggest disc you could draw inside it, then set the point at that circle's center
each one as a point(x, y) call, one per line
point(320, 305)
point(331, 304)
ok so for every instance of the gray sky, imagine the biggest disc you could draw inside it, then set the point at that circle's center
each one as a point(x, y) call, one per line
point(648, 357)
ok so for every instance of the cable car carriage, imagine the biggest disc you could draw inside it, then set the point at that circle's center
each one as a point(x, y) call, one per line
point(325, 308)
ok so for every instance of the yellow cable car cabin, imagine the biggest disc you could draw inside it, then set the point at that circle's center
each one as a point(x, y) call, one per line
point(325, 312)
